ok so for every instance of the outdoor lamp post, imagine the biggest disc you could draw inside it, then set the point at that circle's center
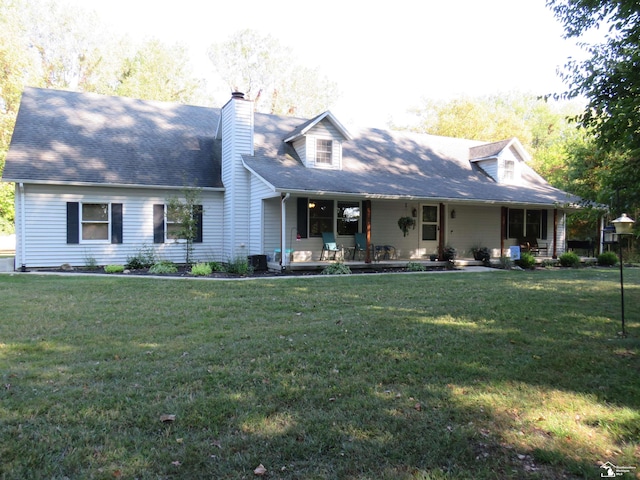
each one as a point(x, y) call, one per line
point(623, 226)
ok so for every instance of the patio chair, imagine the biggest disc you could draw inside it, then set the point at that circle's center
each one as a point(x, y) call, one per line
point(361, 245)
point(329, 245)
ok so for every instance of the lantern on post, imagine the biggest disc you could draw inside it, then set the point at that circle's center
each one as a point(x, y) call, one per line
point(624, 226)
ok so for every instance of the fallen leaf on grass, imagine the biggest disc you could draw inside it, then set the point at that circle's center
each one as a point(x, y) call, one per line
point(176, 463)
point(260, 470)
point(167, 418)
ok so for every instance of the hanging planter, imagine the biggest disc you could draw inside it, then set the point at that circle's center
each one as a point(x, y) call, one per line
point(405, 223)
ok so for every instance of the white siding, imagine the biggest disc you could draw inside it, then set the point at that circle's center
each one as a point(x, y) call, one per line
point(258, 216)
point(490, 167)
point(237, 140)
point(45, 227)
point(271, 229)
point(474, 226)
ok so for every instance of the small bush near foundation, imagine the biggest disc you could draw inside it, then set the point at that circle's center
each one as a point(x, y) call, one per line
point(163, 267)
point(201, 269)
point(239, 266)
point(336, 269)
point(145, 258)
point(527, 261)
point(506, 263)
point(90, 263)
point(607, 259)
point(569, 259)
point(415, 267)
point(217, 266)
point(114, 268)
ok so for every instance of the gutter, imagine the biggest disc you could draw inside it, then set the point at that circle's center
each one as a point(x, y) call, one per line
point(111, 185)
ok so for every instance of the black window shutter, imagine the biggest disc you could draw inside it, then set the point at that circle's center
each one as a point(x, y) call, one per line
point(545, 222)
point(197, 216)
point(158, 224)
point(73, 222)
point(303, 218)
point(116, 223)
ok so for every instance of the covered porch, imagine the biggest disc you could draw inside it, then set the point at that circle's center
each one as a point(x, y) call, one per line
point(432, 228)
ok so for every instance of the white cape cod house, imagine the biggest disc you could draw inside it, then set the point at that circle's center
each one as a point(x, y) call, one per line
point(93, 174)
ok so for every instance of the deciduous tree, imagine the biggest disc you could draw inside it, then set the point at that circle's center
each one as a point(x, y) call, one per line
point(264, 70)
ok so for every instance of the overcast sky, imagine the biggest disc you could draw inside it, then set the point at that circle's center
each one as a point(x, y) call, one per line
point(385, 56)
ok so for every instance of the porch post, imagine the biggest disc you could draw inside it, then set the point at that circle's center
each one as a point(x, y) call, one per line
point(366, 217)
point(503, 228)
point(554, 253)
point(441, 227)
point(284, 258)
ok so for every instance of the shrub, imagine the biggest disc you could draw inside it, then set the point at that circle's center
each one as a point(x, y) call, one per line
point(239, 266)
point(607, 259)
point(506, 263)
point(527, 260)
point(201, 269)
point(114, 268)
point(415, 267)
point(90, 262)
point(163, 267)
point(143, 259)
point(217, 266)
point(337, 268)
point(569, 259)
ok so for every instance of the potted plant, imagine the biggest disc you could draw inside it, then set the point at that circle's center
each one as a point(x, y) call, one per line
point(481, 254)
point(449, 253)
point(405, 223)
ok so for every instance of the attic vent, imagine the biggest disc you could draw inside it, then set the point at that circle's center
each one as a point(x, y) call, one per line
point(239, 95)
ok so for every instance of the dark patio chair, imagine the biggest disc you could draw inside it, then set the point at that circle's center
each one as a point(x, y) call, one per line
point(360, 245)
point(329, 245)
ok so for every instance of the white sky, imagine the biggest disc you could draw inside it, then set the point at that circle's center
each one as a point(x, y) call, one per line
point(385, 56)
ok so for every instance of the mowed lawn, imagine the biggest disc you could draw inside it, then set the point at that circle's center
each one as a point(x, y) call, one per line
point(401, 376)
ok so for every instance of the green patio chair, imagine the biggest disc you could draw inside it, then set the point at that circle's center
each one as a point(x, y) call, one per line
point(360, 246)
point(329, 245)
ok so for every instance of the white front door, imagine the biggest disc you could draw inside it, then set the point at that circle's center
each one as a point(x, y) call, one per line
point(429, 226)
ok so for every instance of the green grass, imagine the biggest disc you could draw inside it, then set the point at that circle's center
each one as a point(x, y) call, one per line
point(417, 376)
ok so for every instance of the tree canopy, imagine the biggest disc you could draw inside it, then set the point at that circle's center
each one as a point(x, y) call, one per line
point(609, 80)
point(264, 70)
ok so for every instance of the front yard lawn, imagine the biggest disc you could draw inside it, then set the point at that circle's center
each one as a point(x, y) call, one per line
point(401, 376)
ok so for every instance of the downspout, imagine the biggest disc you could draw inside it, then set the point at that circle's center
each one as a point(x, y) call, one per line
point(284, 260)
point(21, 259)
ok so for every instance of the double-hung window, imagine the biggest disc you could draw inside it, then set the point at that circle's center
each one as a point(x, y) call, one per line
point(94, 222)
point(348, 218)
point(530, 223)
point(324, 151)
point(167, 224)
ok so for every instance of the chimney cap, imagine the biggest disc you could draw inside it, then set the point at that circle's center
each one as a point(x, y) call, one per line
point(239, 95)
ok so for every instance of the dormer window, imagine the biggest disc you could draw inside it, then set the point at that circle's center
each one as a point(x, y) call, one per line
point(509, 171)
point(324, 151)
point(318, 142)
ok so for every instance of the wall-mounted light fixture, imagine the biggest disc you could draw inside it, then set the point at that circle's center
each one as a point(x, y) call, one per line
point(453, 213)
point(414, 212)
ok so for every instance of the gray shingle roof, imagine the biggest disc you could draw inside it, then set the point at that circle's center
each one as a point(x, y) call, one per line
point(392, 164)
point(68, 137)
point(65, 137)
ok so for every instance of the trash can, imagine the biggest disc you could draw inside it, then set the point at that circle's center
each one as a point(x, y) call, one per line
point(258, 262)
